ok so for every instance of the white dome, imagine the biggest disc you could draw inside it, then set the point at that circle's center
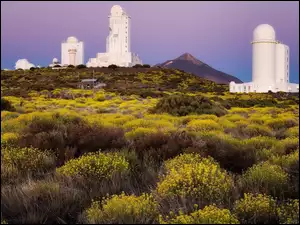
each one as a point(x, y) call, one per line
point(116, 10)
point(264, 32)
point(55, 60)
point(72, 39)
point(23, 64)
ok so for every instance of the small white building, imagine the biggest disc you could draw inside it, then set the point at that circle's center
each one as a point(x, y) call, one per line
point(23, 64)
point(117, 43)
point(270, 64)
point(72, 52)
point(54, 62)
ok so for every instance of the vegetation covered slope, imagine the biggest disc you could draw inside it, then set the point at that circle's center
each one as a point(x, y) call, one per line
point(111, 156)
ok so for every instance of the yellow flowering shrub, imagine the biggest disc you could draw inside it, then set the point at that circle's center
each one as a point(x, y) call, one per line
point(205, 180)
point(292, 132)
point(7, 115)
point(265, 178)
point(27, 159)
point(289, 212)
point(280, 123)
point(140, 131)
point(254, 130)
point(95, 166)
point(285, 146)
point(234, 117)
point(182, 159)
point(133, 124)
point(285, 161)
point(203, 125)
point(9, 138)
point(123, 209)
point(208, 215)
point(256, 209)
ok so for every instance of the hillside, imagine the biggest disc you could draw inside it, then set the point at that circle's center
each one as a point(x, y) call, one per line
point(190, 64)
point(121, 80)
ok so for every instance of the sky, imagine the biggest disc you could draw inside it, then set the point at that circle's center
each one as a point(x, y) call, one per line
point(217, 33)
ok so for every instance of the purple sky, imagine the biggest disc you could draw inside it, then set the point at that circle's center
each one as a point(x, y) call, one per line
point(217, 33)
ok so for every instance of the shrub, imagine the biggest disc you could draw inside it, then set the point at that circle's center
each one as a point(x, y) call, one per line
point(280, 123)
point(182, 105)
point(27, 160)
point(266, 178)
point(6, 115)
point(161, 146)
point(203, 125)
point(113, 66)
point(204, 181)
point(47, 201)
point(289, 212)
point(61, 132)
point(254, 130)
point(183, 159)
point(6, 105)
point(138, 132)
point(293, 132)
point(231, 153)
point(122, 209)
point(256, 209)
point(146, 66)
point(208, 215)
point(81, 66)
point(9, 139)
point(95, 166)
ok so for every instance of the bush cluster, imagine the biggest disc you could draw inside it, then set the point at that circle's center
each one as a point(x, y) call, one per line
point(123, 209)
point(205, 181)
point(95, 166)
point(208, 215)
point(256, 209)
point(182, 105)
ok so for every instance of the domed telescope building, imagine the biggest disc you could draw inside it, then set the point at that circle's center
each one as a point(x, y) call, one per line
point(72, 52)
point(118, 45)
point(270, 64)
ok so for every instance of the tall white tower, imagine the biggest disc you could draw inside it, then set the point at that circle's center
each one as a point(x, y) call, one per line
point(72, 43)
point(118, 40)
point(264, 57)
point(72, 56)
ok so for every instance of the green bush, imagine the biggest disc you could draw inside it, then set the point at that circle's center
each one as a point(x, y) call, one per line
point(26, 161)
point(122, 209)
point(289, 212)
point(232, 154)
point(266, 178)
point(208, 215)
point(280, 123)
point(205, 181)
point(182, 105)
point(256, 209)
point(95, 166)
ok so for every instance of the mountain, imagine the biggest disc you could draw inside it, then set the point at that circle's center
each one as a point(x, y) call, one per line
point(190, 64)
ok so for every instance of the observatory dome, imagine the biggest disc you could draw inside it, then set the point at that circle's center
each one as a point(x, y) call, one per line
point(72, 39)
point(116, 10)
point(264, 32)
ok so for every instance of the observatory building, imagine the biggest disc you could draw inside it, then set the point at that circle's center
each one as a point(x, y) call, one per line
point(270, 64)
point(54, 62)
point(117, 43)
point(23, 64)
point(72, 52)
